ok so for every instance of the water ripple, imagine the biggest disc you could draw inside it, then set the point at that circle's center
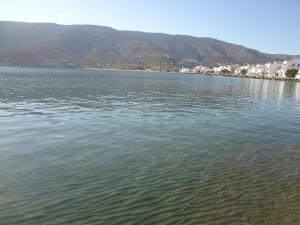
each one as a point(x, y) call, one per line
point(105, 147)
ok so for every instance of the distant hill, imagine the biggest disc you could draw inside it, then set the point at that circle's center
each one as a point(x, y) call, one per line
point(46, 44)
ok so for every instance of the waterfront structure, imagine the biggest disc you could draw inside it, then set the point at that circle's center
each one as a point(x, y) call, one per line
point(201, 69)
point(292, 64)
point(186, 70)
point(272, 70)
point(242, 70)
point(219, 69)
point(258, 70)
point(298, 75)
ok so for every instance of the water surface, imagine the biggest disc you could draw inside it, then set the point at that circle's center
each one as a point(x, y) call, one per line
point(107, 147)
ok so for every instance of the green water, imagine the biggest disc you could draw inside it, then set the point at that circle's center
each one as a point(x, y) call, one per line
point(128, 148)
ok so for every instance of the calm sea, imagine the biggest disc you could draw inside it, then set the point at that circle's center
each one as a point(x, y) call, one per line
point(90, 147)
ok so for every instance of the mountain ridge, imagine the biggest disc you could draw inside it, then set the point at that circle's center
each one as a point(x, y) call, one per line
point(51, 44)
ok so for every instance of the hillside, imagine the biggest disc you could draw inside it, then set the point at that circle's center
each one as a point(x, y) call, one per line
point(46, 44)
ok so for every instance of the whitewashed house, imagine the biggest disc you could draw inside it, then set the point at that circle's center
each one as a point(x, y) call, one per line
point(230, 68)
point(292, 64)
point(238, 70)
point(298, 75)
point(258, 70)
point(200, 69)
point(273, 68)
point(186, 70)
point(217, 70)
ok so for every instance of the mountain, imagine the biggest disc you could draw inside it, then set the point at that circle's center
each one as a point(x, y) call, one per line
point(47, 44)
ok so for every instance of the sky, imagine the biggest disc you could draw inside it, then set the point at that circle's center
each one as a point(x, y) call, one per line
point(271, 26)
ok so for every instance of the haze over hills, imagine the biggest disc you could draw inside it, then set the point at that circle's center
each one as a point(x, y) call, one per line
point(47, 44)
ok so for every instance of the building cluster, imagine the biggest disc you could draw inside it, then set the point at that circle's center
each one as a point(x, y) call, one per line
point(268, 70)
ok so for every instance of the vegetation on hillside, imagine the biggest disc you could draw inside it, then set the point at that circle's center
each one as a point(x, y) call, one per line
point(36, 44)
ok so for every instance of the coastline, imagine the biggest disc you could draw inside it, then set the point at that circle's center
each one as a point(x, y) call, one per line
point(156, 71)
point(251, 77)
point(207, 74)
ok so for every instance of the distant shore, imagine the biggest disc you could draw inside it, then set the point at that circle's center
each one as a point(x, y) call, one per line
point(156, 71)
point(252, 77)
point(208, 74)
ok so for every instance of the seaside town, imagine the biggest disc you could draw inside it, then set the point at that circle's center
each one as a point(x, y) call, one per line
point(279, 70)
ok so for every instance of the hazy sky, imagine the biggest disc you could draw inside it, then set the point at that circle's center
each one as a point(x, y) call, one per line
point(268, 25)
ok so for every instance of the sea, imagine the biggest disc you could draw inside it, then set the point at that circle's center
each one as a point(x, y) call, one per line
point(97, 147)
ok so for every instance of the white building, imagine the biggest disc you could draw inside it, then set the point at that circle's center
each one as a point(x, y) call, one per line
point(298, 75)
point(200, 69)
point(293, 64)
point(186, 70)
point(268, 70)
point(230, 68)
point(258, 70)
point(273, 68)
point(238, 70)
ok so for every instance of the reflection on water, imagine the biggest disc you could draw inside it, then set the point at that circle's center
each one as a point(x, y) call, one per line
point(279, 90)
point(107, 147)
point(273, 89)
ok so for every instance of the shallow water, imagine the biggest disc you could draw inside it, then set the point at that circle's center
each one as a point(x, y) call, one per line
point(107, 147)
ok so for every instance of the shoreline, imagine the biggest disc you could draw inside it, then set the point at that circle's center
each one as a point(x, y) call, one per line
point(207, 74)
point(251, 77)
point(154, 71)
